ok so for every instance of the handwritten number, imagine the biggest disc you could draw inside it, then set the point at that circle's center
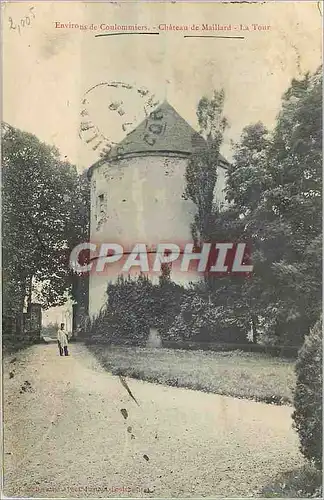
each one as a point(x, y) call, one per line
point(23, 22)
point(12, 24)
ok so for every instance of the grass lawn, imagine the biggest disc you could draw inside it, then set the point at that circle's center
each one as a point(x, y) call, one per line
point(235, 373)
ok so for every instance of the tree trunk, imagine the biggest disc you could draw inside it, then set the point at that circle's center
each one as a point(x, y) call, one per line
point(254, 330)
point(21, 306)
point(30, 291)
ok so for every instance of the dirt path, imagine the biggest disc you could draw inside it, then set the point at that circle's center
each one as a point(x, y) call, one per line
point(66, 436)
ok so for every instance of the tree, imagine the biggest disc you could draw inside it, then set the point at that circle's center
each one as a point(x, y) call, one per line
point(201, 172)
point(246, 181)
point(274, 190)
point(308, 396)
point(43, 219)
point(247, 175)
point(292, 211)
point(80, 233)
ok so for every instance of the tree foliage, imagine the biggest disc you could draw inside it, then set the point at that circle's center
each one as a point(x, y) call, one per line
point(45, 214)
point(274, 187)
point(201, 320)
point(201, 172)
point(291, 211)
point(308, 396)
point(134, 305)
point(247, 176)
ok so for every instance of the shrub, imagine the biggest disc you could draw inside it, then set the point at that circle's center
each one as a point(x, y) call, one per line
point(168, 307)
point(125, 317)
point(134, 305)
point(202, 321)
point(308, 396)
point(302, 482)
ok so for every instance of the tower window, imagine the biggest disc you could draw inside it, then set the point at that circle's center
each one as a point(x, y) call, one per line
point(101, 203)
point(101, 209)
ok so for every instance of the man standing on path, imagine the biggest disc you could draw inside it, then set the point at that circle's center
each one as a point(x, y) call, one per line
point(62, 341)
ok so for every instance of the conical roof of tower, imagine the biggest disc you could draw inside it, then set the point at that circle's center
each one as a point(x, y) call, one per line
point(162, 131)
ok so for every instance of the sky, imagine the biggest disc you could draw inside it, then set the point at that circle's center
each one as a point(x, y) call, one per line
point(48, 67)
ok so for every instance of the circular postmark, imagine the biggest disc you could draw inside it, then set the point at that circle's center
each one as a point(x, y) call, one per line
point(112, 110)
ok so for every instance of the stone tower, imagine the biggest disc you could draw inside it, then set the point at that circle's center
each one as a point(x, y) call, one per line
point(137, 194)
